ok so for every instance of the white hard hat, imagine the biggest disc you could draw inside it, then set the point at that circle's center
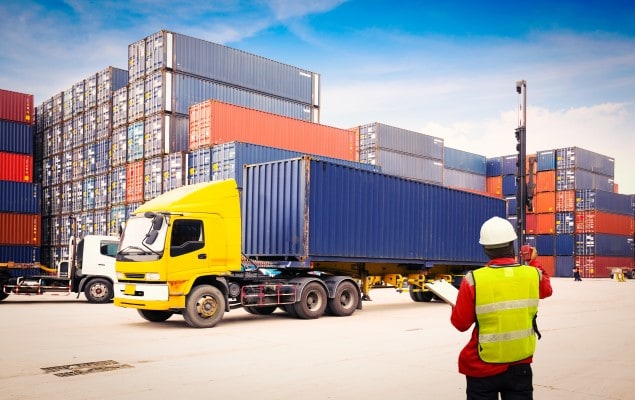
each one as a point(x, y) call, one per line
point(497, 232)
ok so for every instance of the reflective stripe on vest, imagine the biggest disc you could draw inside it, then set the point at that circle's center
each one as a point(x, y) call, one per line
point(506, 304)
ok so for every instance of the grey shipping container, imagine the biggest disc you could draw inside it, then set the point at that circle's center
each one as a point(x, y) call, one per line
point(307, 210)
point(180, 53)
point(376, 136)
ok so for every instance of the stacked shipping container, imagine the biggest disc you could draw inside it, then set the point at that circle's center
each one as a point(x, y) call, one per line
point(401, 152)
point(73, 137)
point(20, 218)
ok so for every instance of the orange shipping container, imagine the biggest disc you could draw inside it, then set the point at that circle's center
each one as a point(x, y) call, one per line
point(530, 223)
point(20, 229)
point(16, 167)
point(213, 122)
point(545, 202)
point(546, 181)
point(494, 185)
point(134, 182)
point(545, 223)
point(565, 200)
point(603, 222)
point(548, 264)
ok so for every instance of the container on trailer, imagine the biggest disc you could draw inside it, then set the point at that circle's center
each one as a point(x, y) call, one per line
point(19, 254)
point(317, 210)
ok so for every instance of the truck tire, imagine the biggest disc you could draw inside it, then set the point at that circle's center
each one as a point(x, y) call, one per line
point(312, 302)
point(260, 310)
point(204, 307)
point(99, 290)
point(345, 301)
point(154, 315)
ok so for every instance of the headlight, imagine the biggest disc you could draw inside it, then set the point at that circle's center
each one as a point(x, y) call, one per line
point(121, 276)
point(153, 276)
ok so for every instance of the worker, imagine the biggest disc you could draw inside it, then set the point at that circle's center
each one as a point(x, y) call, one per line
point(501, 300)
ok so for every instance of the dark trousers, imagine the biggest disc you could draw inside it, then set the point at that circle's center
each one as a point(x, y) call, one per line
point(513, 384)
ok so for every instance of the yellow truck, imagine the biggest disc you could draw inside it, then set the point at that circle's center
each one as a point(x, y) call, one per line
point(304, 235)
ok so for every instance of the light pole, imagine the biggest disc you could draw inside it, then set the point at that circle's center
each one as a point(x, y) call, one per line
point(521, 147)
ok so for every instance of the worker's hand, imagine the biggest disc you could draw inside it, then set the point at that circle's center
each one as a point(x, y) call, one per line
point(534, 254)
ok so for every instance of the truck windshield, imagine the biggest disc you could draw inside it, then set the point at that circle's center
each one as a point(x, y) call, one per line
point(135, 246)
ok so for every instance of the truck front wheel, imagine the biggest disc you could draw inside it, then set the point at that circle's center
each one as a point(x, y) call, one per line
point(204, 307)
point(154, 315)
point(99, 290)
point(312, 302)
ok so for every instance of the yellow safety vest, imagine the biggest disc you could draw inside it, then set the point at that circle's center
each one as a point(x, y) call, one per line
point(506, 305)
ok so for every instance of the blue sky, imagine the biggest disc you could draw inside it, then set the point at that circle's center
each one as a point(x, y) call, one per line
point(447, 69)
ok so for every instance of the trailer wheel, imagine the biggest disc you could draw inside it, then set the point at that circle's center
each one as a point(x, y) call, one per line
point(260, 310)
point(345, 301)
point(427, 296)
point(312, 302)
point(154, 315)
point(417, 296)
point(204, 307)
point(99, 290)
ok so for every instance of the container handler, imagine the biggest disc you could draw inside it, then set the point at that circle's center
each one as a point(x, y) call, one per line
point(311, 237)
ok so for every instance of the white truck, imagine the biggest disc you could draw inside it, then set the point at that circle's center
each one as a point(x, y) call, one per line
point(90, 268)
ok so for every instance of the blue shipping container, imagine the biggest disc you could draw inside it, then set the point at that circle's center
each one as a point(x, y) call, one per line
point(546, 160)
point(546, 245)
point(575, 157)
point(603, 244)
point(227, 160)
point(16, 137)
point(565, 222)
point(464, 161)
point(590, 199)
point(494, 166)
point(20, 254)
point(310, 210)
point(20, 197)
point(576, 178)
point(565, 245)
point(509, 166)
point(564, 266)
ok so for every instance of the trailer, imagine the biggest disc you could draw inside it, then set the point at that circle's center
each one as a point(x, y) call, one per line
point(89, 269)
point(305, 235)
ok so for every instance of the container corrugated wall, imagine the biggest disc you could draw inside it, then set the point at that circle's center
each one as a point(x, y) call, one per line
point(181, 53)
point(17, 107)
point(227, 160)
point(227, 122)
point(305, 208)
point(16, 137)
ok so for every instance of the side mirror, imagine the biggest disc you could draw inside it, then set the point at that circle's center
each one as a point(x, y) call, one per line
point(157, 222)
point(151, 237)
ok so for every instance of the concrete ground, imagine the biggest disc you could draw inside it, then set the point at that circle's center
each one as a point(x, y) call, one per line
point(55, 347)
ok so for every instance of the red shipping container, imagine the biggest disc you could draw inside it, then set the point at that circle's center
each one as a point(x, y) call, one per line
point(595, 221)
point(545, 202)
point(546, 181)
point(601, 266)
point(548, 264)
point(530, 223)
point(545, 223)
point(213, 122)
point(20, 229)
point(17, 107)
point(134, 182)
point(565, 200)
point(16, 167)
point(494, 185)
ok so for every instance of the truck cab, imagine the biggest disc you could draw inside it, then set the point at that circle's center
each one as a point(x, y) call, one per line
point(176, 241)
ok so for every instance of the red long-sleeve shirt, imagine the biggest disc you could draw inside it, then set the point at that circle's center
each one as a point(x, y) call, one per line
point(464, 316)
